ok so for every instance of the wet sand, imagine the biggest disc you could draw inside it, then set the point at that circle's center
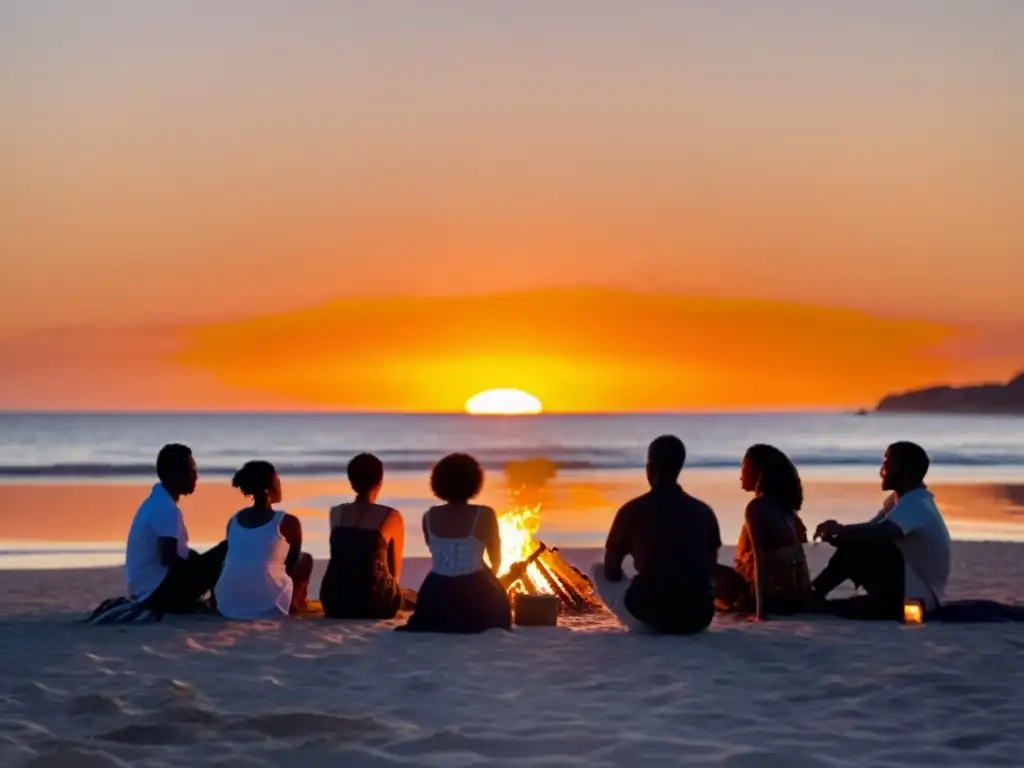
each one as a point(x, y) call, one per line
point(36, 520)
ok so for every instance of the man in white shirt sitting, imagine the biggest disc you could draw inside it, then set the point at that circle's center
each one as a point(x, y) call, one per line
point(161, 570)
point(903, 553)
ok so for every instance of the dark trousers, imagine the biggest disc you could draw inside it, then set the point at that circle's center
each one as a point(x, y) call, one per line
point(188, 581)
point(684, 610)
point(876, 568)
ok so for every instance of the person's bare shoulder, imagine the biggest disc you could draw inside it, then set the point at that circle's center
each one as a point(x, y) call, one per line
point(291, 527)
point(336, 513)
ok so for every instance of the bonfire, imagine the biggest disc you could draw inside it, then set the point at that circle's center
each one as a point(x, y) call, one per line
point(531, 567)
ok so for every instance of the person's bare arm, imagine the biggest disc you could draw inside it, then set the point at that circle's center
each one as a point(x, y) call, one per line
point(618, 544)
point(756, 531)
point(492, 539)
point(396, 542)
point(291, 530)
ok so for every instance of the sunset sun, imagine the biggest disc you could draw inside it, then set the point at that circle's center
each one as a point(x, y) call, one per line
point(503, 402)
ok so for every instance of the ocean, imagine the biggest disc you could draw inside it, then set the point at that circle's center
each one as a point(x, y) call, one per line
point(979, 460)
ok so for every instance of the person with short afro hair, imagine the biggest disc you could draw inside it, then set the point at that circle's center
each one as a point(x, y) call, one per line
point(363, 577)
point(903, 553)
point(673, 539)
point(163, 573)
point(461, 594)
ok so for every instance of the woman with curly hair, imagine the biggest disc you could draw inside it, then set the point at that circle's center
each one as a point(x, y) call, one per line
point(771, 572)
point(461, 593)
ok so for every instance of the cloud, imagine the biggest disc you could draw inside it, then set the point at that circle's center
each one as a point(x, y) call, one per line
point(578, 350)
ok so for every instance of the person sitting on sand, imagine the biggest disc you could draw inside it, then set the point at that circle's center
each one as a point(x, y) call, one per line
point(367, 539)
point(266, 573)
point(771, 572)
point(461, 593)
point(673, 539)
point(903, 553)
point(162, 572)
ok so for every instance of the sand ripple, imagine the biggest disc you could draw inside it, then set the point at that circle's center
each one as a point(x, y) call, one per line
point(269, 695)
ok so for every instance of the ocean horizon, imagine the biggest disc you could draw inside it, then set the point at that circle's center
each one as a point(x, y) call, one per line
point(70, 482)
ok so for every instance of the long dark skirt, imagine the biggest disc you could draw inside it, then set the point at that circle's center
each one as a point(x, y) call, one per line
point(460, 605)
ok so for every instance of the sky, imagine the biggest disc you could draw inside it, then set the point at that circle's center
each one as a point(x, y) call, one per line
point(388, 205)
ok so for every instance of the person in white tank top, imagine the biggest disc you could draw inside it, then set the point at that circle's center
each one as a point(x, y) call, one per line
point(266, 573)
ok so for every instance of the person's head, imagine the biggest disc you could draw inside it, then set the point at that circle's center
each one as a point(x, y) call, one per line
point(665, 458)
point(904, 467)
point(176, 469)
point(259, 481)
point(769, 472)
point(457, 478)
point(365, 475)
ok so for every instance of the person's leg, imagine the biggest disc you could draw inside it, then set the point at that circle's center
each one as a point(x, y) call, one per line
point(732, 592)
point(189, 581)
point(300, 574)
point(866, 565)
point(877, 569)
point(208, 567)
point(613, 595)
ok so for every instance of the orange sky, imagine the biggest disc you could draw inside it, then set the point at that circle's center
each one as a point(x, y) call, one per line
point(577, 350)
point(173, 174)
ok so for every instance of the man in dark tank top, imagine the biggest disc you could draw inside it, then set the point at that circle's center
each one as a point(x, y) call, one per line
point(674, 540)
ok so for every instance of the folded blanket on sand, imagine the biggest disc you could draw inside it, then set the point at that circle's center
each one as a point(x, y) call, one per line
point(121, 610)
point(976, 612)
point(866, 608)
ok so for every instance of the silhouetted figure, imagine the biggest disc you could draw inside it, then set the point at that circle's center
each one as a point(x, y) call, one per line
point(367, 541)
point(161, 570)
point(674, 540)
point(770, 574)
point(904, 552)
point(461, 593)
point(266, 573)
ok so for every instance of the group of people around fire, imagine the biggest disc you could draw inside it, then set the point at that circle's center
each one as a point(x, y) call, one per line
point(260, 569)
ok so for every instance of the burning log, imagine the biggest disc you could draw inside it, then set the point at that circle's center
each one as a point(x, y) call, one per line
point(545, 570)
point(518, 570)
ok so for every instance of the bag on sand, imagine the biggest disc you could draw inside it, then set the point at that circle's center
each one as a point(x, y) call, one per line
point(121, 610)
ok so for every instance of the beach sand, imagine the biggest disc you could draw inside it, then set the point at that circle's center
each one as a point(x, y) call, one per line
point(312, 692)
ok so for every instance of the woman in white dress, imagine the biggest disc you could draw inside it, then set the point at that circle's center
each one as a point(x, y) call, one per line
point(266, 573)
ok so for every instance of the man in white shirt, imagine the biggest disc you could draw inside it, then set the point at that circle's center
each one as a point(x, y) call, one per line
point(903, 553)
point(160, 568)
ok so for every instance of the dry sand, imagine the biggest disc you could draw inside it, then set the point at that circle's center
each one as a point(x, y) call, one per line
point(205, 691)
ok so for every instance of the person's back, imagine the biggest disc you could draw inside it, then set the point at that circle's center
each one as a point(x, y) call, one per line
point(157, 517)
point(254, 583)
point(360, 581)
point(456, 547)
point(367, 539)
point(926, 546)
point(673, 539)
point(266, 573)
point(460, 594)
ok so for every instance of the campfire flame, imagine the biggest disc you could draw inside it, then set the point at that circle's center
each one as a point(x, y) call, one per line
point(517, 524)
